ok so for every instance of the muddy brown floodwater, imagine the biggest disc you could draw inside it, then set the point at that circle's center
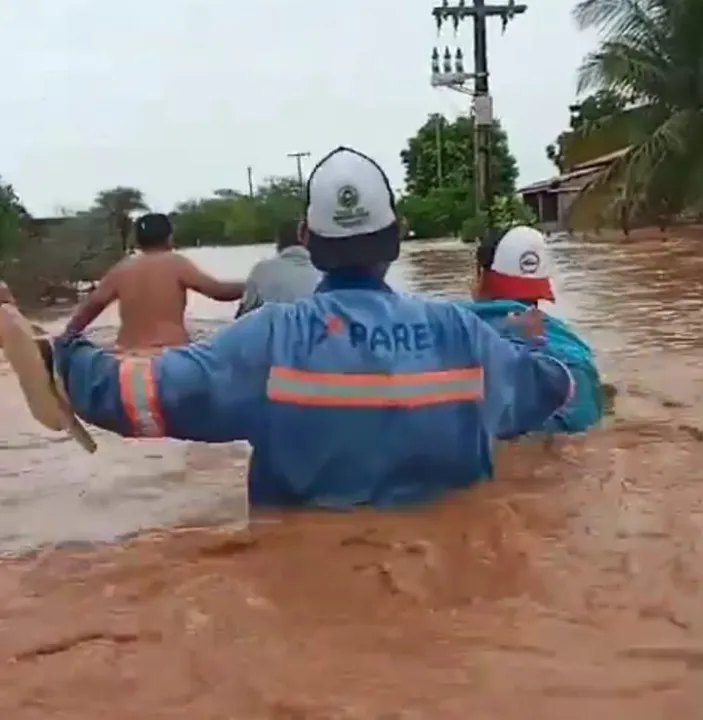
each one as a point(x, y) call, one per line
point(568, 587)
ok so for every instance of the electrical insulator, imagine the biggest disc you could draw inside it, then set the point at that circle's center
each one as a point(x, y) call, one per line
point(438, 22)
point(462, 4)
point(435, 61)
point(445, 3)
point(455, 23)
point(447, 64)
point(459, 62)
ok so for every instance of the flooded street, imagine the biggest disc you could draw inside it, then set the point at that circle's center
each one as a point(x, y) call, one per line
point(569, 587)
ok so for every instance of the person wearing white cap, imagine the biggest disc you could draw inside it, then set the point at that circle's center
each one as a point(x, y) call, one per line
point(355, 396)
point(514, 264)
point(514, 274)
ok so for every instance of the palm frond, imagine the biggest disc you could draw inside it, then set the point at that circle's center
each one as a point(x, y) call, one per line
point(628, 71)
point(616, 18)
point(650, 55)
point(636, 172)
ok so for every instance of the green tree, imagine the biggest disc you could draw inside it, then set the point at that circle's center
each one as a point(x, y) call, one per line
point(226, 193)
point(455, 141)
point(506, 211)
point(555, 152)
point(594, 109)
point(439, 174)
point(437, 214)
point(119, 203)
point(46, 259)
point(243, 223)
point(280, 202)
point(650, 59)
point(232, 218)
point(586, 119)
point(198, 222)
point(13, 216)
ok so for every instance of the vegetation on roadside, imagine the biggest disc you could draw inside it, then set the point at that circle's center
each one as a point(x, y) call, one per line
point(233, 218)
point(440, 198)
point(44, 259)
point(117, 206)
point(584, 139)
point(506, 211)
point(646, 80)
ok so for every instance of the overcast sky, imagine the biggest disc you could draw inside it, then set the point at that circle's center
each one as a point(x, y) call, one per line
point(178, 97)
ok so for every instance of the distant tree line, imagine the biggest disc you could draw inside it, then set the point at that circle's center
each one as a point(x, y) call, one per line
point(45, 258)
point(230, 217)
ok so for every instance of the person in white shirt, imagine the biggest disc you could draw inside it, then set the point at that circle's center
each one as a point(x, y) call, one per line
point(287, 277)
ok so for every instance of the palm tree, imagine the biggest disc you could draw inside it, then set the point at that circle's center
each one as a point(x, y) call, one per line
point(119, 203)
point(651, 59)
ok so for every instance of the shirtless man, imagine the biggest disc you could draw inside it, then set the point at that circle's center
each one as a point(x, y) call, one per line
point(151, 291)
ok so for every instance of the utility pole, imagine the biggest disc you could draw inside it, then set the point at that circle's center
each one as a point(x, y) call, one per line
point(456, 78)
point(250, 180)
point(438, 149)
point(299, 162)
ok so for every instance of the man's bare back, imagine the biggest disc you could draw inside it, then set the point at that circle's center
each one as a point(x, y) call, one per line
point(151, 289)
point(152, 301)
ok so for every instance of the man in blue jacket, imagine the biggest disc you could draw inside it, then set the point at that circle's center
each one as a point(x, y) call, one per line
point(514, 276)
point(357, 395)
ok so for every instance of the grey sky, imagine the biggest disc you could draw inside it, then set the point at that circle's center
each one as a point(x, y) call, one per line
point(177, 97)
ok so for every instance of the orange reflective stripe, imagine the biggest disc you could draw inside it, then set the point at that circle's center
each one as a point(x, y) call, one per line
point(324, 389)
point(139, 398)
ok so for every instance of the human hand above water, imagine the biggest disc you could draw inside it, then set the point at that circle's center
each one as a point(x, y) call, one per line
point(528, 324)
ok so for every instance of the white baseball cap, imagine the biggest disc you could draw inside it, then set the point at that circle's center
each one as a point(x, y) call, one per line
point(514, 265)
point(350, 212)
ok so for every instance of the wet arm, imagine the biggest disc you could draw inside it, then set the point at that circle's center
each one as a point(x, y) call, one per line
point(92, 305)
point(213, 391)
point(193, 278)
point(523, 387)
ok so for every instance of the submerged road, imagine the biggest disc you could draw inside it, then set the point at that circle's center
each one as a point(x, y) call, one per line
point(570, 586)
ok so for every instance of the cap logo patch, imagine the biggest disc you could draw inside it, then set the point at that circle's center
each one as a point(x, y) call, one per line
point(348, 197)
point(349, 213)
point(529, 262)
